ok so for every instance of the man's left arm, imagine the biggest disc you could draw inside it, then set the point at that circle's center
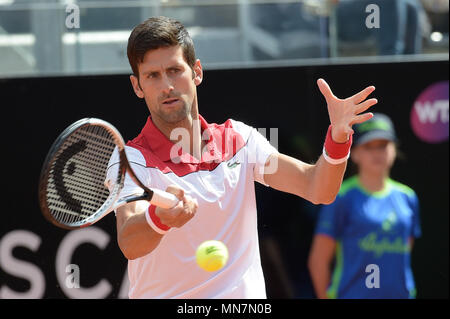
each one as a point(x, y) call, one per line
point(320, 183)
point(317, 183)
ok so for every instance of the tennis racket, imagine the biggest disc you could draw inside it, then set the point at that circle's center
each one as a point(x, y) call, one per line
point(72, 191)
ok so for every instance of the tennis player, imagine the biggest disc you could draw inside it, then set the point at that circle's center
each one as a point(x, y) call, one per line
point(370, 227)
point(211, 168)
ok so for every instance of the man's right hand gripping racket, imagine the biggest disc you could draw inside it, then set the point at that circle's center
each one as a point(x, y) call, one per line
point(72, 192)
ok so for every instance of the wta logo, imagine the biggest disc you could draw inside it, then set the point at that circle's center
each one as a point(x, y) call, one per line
point(429, 115)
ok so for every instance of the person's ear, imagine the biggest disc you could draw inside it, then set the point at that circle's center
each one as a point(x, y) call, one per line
point(197, 72)
point(394, 146)
point(136, 86)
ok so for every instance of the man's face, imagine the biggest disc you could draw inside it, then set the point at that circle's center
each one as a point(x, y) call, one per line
point(168, 84)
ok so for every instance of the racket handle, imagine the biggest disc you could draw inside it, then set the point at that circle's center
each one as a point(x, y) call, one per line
point(163, 199)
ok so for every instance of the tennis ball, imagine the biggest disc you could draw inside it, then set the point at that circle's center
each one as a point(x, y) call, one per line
point(211, 255)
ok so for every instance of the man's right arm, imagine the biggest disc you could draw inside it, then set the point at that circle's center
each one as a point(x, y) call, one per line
point(134, 235)
point(136, 238)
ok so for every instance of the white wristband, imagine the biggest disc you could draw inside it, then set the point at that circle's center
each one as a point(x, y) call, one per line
point(334, 161)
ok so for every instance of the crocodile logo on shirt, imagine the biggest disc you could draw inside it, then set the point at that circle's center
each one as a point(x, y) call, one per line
point(233, 165)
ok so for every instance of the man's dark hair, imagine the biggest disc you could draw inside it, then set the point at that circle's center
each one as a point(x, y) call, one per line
point(155, 33)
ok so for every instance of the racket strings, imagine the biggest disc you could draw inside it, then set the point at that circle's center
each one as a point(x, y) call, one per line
point(76, 189)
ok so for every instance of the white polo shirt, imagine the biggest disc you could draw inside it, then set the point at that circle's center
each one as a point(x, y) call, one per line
point(223, 184)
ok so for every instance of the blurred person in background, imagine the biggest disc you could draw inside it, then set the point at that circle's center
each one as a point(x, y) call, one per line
point(399, 31)
point(287, 30)
point(370, 228)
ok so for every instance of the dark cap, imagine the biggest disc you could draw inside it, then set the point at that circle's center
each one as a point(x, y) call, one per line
point(378, 127)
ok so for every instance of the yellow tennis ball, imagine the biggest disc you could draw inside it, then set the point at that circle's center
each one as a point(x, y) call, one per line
point(211, 255)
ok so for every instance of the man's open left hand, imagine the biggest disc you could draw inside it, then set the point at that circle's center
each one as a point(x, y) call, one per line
point(346, 112)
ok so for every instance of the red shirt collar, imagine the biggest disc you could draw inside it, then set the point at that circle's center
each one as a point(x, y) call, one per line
point(161, 146)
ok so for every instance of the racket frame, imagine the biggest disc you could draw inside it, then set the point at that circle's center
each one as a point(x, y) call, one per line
point(112, 201)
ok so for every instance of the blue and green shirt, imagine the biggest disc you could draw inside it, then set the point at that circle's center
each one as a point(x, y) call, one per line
point(371, 229)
